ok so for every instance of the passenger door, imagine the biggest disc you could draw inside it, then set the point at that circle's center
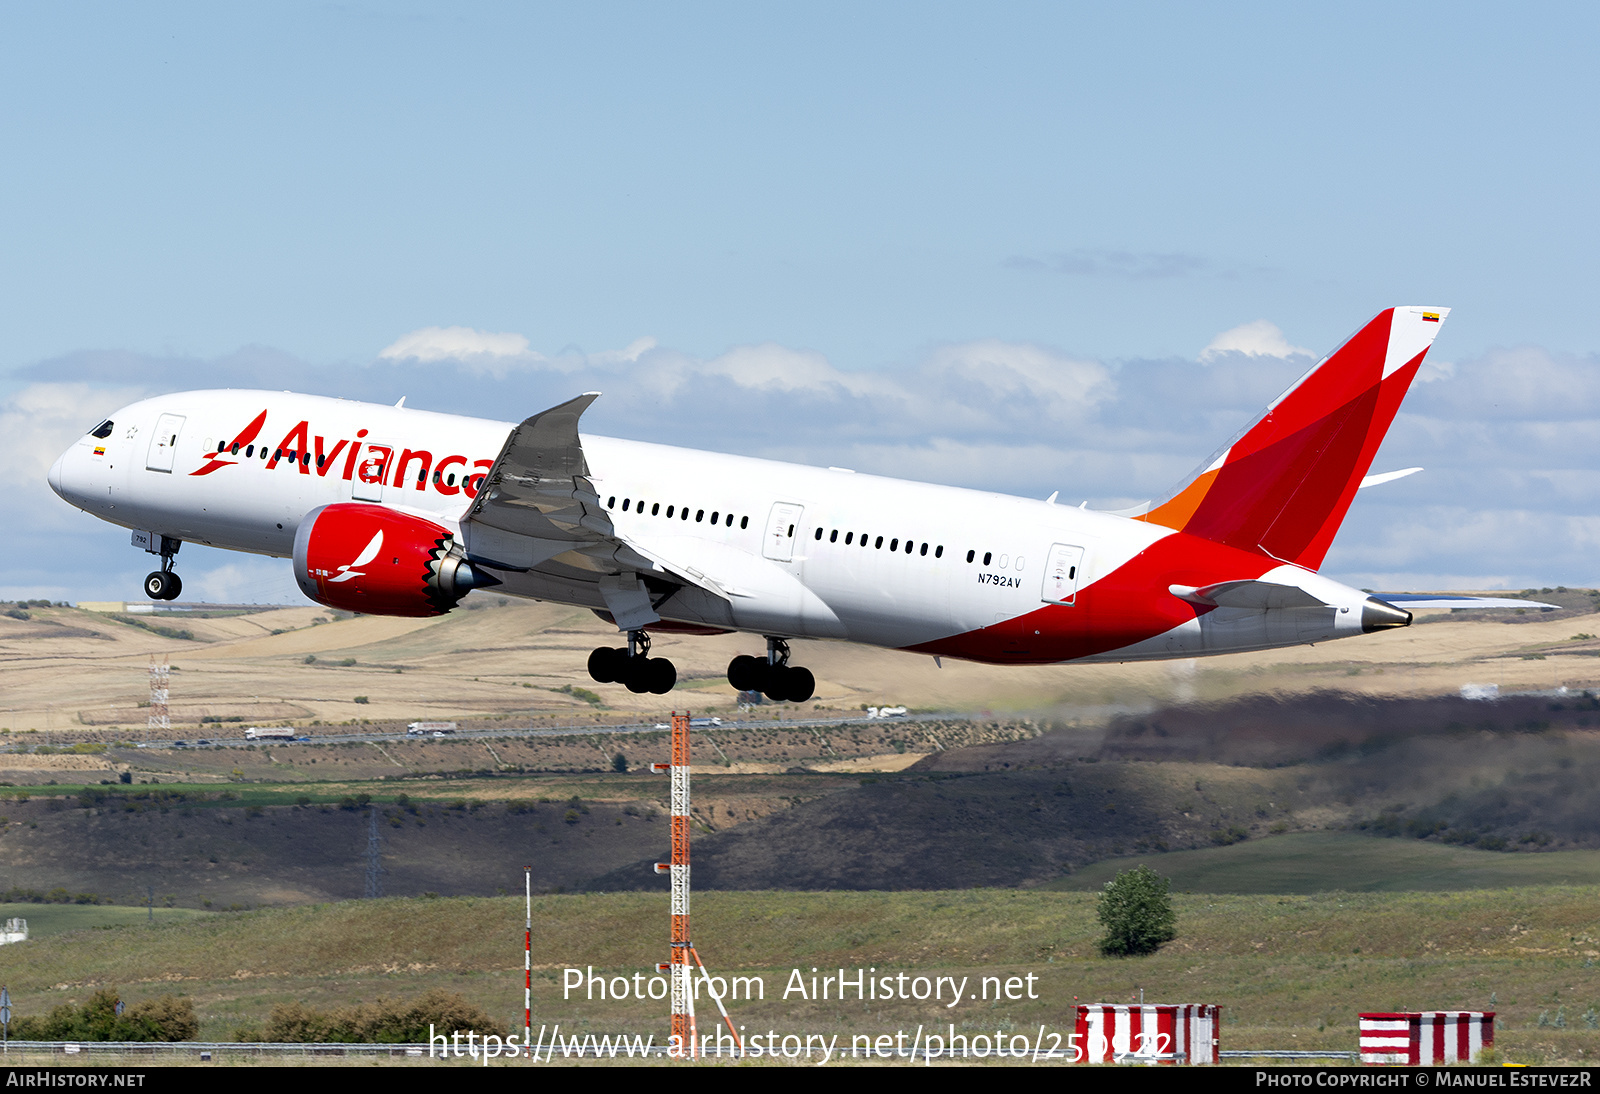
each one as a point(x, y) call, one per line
point(1061, 572)
point(164, 443)
point(782, 524)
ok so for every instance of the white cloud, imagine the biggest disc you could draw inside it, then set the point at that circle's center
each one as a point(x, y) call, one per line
point(1261, 338)
point(1522, 383)
point(971, 387)
point(1504, 545)
point(629, 353)
point(485, 353)
point(1067, 389)
point(455, 344)
point(772, 367)
point(38, 422)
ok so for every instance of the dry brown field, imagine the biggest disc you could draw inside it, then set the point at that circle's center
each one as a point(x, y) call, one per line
point(73, 674)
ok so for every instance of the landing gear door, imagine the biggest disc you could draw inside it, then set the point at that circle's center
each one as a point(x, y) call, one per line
point(1061, 572)
point(371, 468)
point(782, 526)
point(164, 443)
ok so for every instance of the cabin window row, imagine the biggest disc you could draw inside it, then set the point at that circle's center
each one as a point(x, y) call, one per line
point(279, 455)
point(989, 559)
point(674, 511)
point(910, 546)
point(249, 450)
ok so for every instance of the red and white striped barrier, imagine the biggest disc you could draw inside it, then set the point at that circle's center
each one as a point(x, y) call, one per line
point(1172, 1033)
point(1426, 1037)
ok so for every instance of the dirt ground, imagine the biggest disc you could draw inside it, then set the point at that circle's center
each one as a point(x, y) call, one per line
point(67, 671)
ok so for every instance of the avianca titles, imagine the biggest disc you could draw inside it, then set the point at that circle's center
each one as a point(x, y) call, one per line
point(397, 511)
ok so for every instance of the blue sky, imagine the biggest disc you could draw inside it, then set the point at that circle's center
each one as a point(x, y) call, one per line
point(259, 194)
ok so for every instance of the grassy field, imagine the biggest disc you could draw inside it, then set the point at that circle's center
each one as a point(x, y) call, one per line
point(1289, 971)
point(1315, 862)
point(444, 788)
point(45, 920)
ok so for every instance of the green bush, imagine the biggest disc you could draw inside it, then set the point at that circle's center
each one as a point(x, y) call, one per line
point(387, 1021)
point(165, 1018)
point(1135, 908)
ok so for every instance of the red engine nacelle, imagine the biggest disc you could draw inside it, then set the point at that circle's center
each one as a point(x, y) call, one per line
point(366, 558)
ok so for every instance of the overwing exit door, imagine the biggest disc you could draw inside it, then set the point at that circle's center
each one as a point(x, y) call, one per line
point(371, 471)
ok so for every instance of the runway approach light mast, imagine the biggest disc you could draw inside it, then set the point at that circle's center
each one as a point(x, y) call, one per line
point(684, 1042)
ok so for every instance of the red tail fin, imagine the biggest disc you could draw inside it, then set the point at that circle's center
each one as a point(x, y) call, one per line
point(1282, 487)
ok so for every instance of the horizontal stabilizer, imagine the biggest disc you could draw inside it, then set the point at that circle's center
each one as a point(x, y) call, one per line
point(1387, 476)
point(1450, 600)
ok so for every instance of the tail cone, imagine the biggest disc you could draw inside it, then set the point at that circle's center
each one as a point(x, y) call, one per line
point(1376, 615)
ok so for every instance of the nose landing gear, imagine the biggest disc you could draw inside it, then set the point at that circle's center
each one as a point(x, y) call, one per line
point(774, 677)
point(163, 585)
point(160, 584)
point(633, 666)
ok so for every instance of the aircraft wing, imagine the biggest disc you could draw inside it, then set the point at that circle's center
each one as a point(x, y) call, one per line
point(539, 487)
point(538, 509)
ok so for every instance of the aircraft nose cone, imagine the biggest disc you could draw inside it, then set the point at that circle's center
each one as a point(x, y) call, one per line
point(1378, 615)
point(55, 475)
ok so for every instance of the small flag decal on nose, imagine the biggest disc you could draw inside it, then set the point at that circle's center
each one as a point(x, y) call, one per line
point(99, 451)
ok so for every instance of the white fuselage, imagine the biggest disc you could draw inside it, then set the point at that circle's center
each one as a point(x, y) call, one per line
point(795, 551)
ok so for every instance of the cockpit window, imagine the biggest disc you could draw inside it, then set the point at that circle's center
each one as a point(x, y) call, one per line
point(103, 430)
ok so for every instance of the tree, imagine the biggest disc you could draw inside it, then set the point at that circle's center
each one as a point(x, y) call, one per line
point(165, 1018)
point(1136, 910)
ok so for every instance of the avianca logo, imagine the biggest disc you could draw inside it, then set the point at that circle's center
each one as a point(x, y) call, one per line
point(368, 553)
point(219, 458)
point(371, 462)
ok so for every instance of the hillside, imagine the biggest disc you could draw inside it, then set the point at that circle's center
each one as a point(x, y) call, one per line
point(1511, 776)
point(803, 808)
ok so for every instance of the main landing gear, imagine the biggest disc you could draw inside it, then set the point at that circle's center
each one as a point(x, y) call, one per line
point(774, 677)
point(163, 584)
point(633, 666)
